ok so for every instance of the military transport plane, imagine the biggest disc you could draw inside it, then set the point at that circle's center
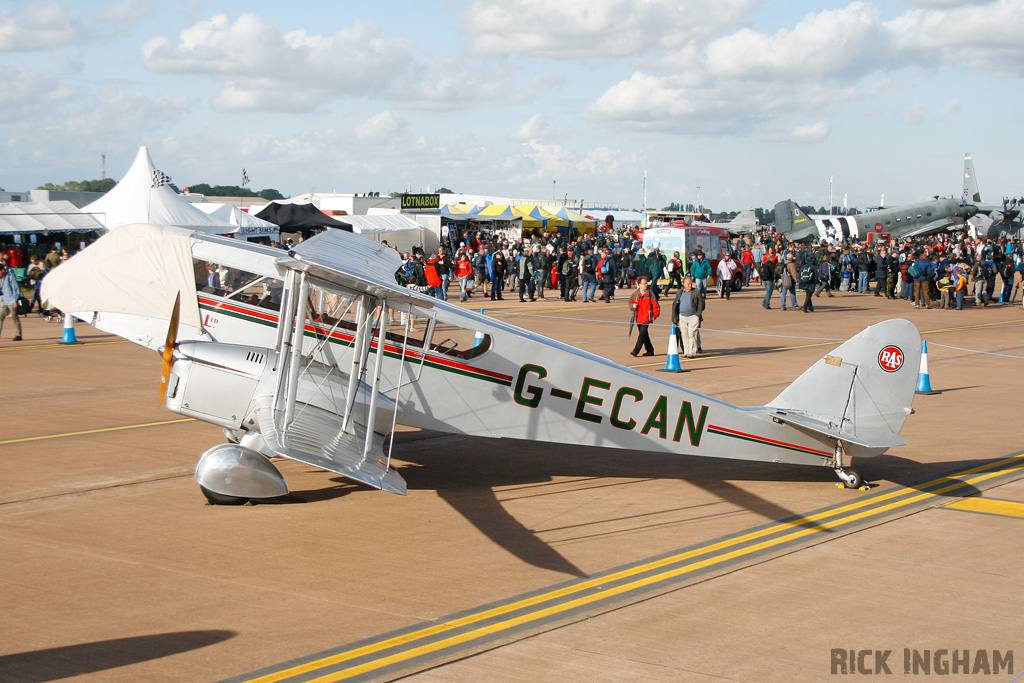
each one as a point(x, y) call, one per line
point(992, 220)
point(316, 354)
point(922, 218)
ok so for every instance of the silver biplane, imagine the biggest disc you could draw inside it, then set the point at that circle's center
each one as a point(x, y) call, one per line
point(316, 354)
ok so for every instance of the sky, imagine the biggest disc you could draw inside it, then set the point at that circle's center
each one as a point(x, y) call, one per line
point(735, 102)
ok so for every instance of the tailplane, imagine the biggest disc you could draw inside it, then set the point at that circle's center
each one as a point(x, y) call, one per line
point(860, 393)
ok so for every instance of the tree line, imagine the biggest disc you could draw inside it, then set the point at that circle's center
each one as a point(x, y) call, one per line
point(200, 188)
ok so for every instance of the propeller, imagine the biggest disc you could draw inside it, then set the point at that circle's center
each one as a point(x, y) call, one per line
point(169, 344)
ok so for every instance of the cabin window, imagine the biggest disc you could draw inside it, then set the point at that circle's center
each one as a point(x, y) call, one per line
point(237, 284)
point(898, 220)
point(459, 342)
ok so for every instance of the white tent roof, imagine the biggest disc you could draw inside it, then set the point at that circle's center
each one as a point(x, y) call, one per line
point(245, 225)
point(57, 216)
point(135, 200)
point(380, 223)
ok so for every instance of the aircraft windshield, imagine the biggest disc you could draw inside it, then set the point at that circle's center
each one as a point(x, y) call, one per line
point(237, 285)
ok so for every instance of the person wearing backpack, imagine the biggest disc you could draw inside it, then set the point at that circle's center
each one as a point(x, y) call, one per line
point(788, 277)
point(808, 276)
point(588, 276)
point(571, 273)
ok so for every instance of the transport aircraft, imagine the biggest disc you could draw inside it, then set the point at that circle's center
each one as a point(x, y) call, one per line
point(316, 354)
point(992, 220)
point(922, 218)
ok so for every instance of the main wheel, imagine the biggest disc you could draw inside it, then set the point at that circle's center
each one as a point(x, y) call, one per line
point(220, 499)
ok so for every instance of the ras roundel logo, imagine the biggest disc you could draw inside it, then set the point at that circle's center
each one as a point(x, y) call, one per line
point(890, 358)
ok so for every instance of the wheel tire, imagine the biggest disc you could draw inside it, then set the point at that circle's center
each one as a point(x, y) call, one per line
point(737, 285)
point(855, 480)
point(220, 499)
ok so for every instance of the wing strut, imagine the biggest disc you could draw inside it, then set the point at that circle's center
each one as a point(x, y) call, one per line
point(377, 367)
point(355, 371)
point(398, 390)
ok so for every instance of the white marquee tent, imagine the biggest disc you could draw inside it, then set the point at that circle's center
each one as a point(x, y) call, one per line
point(32, 217)
point(142, 197)
point(245, 225)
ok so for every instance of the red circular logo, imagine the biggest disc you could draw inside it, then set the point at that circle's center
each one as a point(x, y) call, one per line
point(890, 358)
point(878, 227)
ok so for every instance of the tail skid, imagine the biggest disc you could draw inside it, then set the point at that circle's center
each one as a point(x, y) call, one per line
point(860, 394)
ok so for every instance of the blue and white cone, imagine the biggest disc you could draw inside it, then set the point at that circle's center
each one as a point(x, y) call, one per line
point(672, 361)
point(69, 330)
point(924, 382)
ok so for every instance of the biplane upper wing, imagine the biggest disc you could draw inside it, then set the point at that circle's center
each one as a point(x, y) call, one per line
point(315, 438)
point(354, 263)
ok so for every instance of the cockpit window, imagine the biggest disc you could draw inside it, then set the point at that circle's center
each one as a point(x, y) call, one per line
point(237, 285)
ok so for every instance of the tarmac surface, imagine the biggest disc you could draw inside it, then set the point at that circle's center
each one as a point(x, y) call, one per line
point(513, 560)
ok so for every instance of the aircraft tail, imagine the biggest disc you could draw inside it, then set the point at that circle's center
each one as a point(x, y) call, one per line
point(792, 222)
point(860, 393)
point(971, 193)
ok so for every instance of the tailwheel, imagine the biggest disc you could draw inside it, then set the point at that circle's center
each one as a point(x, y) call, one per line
point(220, 499)
point(851, 478)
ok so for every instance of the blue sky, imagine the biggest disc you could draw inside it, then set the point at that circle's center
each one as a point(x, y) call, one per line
point(752, 101)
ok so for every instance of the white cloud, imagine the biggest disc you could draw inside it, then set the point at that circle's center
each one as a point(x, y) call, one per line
point(811, 132)
point(984, 36)
point(29, 96)
point(535, 127)
point(950, 110)
point(593, 28)
point(847, 42)
point(263, 69)
point(38, 27)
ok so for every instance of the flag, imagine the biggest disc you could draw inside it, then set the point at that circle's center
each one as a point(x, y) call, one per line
point(245, 178)
point(160, 178)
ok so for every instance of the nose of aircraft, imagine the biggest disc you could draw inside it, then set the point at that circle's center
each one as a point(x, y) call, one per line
point(966, 211)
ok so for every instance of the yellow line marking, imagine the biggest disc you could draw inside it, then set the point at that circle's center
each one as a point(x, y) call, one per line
point(995, 469)
point(97, 431)
point(1005, 508)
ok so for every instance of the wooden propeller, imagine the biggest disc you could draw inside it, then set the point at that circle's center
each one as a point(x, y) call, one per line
point(168, 352)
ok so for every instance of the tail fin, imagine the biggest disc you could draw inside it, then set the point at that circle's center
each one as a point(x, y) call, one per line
point(792, 222)
point(745, 220)
point(971, 193)
point(861, 393)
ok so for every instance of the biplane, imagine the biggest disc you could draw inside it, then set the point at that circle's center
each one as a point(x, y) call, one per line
point(316, 354)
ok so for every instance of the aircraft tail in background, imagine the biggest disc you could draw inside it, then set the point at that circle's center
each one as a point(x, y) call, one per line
point(971, 193)
point(792, 222)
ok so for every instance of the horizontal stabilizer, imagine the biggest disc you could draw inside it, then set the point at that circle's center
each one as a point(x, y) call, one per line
point(864, 437)
point(315, 438)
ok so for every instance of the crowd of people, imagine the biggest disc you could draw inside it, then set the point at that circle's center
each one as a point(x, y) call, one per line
point(949, 270)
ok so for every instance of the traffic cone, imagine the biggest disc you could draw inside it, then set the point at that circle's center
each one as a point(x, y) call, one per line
point(69, 330)
point(672, 361)
point(924, 382)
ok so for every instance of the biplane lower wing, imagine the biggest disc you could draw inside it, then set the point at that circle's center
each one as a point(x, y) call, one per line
point(309, 439)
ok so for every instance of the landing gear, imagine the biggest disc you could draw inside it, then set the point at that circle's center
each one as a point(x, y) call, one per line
point(851, 478)
point(220, 499)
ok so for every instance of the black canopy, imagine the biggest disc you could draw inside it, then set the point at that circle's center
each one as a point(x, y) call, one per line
point(304, 218)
